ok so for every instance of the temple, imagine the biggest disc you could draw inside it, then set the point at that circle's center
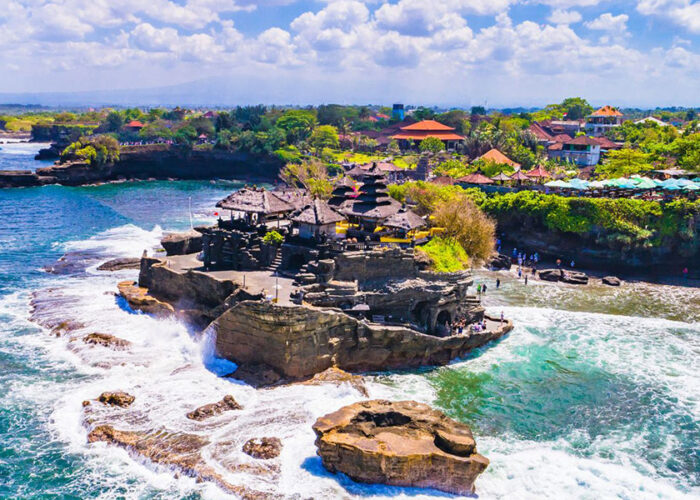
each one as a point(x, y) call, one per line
point(410, 136)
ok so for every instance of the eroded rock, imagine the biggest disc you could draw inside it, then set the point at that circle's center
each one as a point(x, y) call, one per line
point(139, 299)
point(182, 243)
point(263, 448)
point(499, 261)
point(106, 340)
point(337, 376)
point(117, 398)
point(174, 449)
point(120, 264)
point(213, 409)
point(399, 443)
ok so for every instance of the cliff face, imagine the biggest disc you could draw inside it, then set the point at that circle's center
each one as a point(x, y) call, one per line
point(299, 341)
point(157, 161)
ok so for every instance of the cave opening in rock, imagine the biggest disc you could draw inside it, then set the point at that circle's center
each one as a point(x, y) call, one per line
point(387, 419)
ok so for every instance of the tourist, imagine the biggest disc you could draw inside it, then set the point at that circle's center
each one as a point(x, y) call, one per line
point(685, 273)
point(520, 273)
point(534, 270)
point(502, 318)
point(498, 283)
point(558, 263)
point(515, 252)
point(478, 290)
point(483, 289)
point(572, 263)
point(526, 279)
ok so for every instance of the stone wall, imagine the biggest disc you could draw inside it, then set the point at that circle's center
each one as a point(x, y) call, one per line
point(298, 342)
point(379, 264)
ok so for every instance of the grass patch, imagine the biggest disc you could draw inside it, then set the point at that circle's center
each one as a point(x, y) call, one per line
point(446, 254)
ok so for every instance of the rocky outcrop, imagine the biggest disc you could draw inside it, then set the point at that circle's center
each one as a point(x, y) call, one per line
point(611, 281)
point(182, 243)
point(117, 398)
point(380, 264)
point(499, 261)
point(180, 451)
point(337, 376)
point(298, 341)
point(571, 277)
point(139, 299)
point(263, 448)
point(120, 264)
point(214, 409)
point(106, 340)
point(401, 443)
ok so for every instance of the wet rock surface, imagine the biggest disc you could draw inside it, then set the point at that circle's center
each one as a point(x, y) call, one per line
point(337, 376)
point(228, 403)
point(564, 276)
point(178, 450)
point(499, 261)
point(399, 443)
point(263, 448)
point(72, 263)
point(611, 281)
point(256, 375)
point(120, 264)
point(106, 340)
point(138, 299)
point(117, 398)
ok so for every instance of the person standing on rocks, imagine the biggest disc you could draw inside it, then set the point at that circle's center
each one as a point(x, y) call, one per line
point(498, 283)
point(526, 279)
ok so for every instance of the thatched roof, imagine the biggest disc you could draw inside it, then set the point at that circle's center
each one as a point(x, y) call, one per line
point(318, 213)
point(298, 198)
point(371, 211)
point(519, 176)
point(404, 219)
point(475, 178)
point(256, 201)
point(500, 177)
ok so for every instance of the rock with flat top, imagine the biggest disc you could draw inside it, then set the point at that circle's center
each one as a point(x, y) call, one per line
point(140, 300)
point(182, 243)
point(120, 264)
point(399, 443)
point(106, 340)
point(611, 281)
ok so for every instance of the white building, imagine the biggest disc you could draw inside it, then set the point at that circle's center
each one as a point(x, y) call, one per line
point(603, 120)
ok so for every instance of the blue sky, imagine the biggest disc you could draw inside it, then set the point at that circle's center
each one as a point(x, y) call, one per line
point(444, 52)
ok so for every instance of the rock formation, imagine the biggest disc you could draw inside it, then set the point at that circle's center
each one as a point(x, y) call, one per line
point(263, 448)
point(213, 409)
point(337, 376)
point(399, 443)
point(106, 340)
point(117, 398)
point(499, 261)
point(611, 281)
point(182, 243)
point(119, 264)
point(139, 299)
point(571, 277)
point(298, 341)
point(180, 451)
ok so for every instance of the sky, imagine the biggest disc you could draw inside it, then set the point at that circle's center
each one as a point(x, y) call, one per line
point(497, 53)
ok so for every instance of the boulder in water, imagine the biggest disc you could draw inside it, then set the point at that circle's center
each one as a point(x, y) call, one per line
point(611, 281)
point(213, 409)
point(117, 398)
point(499, 261)
point(335, 375)
point(399, 443)
point(263, 448)
point(106, 340)
point(139, 299)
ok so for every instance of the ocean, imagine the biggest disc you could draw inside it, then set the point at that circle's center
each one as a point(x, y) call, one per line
point(595, 393)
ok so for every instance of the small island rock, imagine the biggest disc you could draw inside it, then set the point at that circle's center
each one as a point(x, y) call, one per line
point(263, 448)
point(399, 443)
point(213, 409)
point(119, 264)
point(106, 340)
point(612, 281)
point(182, 243)
point(117, 398)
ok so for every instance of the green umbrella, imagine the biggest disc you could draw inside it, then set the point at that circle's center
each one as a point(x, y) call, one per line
point(557, 184)
point(646, 183)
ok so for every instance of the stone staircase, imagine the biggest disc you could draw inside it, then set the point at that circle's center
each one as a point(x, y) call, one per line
point(275, 264)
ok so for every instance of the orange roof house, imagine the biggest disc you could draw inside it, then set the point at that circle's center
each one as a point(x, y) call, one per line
point(135, 124)
point(496, 156)
point(427, 128)
point(606, 111)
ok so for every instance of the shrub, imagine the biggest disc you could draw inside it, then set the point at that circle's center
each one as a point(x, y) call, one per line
point(273, 238)
point(446, 255)
point(94, 150)
point(464, 222)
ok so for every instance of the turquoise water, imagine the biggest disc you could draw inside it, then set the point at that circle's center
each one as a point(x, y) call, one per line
point(595, 394)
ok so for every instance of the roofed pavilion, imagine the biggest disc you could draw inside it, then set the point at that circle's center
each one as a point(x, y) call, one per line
point(257, 204)
point(317, 219)
point(411, 135)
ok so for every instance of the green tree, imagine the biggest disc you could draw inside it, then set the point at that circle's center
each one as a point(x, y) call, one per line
point(224, 121)
point(576, 108)
point(96, 150)
point(423, 113)
point(114, 121)
point(186, 135)
point(478, 110)
point(324, 136)
point(623, 163)
point(311, 174)
point(156, 130)
point(298, 124)
point(432, 145)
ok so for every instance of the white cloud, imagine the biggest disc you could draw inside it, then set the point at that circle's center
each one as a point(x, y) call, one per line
point(148, 38)
point(559, 16)
point(685, 13)
point(610, 23)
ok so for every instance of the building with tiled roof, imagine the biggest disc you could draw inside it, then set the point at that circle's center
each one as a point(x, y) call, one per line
point(583, 150)
point(602, 120)
point(495, 156)
point(411, 135)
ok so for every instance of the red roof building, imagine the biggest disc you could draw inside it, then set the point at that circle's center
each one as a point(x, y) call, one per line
point(135, 124)
point(475, 178)
point(495, 156)
point(409, 135)
point(603, 120)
